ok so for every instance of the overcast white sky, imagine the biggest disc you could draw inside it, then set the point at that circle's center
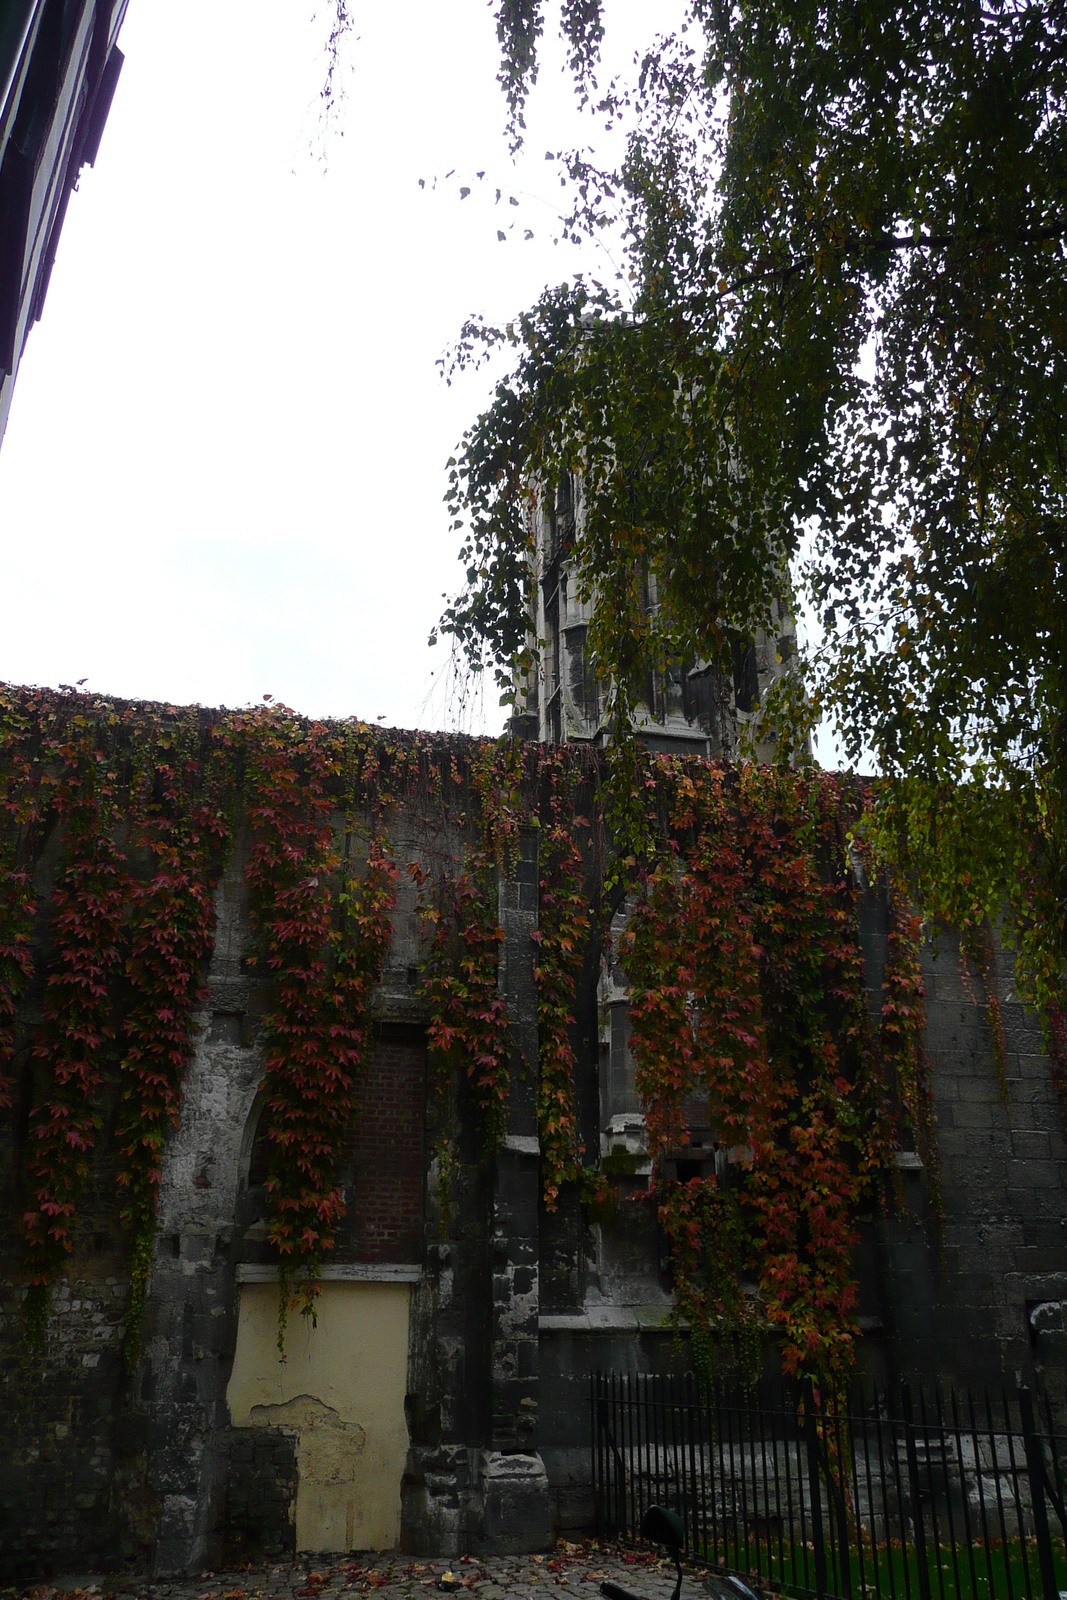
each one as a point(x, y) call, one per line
point(223, 471)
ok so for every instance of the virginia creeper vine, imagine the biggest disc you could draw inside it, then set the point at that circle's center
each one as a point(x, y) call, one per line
point(468, 1014)
point(77, 1028)
point(170, 932)
point(560, 938)
point(19, 806)
point(747, 998)
point(902, 1032)
point(325, 934)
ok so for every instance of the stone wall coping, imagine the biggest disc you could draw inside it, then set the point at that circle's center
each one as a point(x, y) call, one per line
point(339, 1272)
point(649, 1319)
point(523, 1144)
point(610, 1319)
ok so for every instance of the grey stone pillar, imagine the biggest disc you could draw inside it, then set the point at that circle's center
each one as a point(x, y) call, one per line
point(515, 1497)
point(190, 1324)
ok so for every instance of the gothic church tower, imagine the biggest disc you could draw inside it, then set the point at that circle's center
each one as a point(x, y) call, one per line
point(688, 709)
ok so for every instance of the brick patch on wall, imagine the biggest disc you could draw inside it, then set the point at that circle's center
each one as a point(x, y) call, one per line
point(386, 1191)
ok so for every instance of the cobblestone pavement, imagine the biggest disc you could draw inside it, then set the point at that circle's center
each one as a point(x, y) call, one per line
point(573, 1570)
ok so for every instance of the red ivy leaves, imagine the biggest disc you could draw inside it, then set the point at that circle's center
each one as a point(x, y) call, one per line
point(903, 1007)
point(19, 808)
point(976, 943)
point(325, 934)
point(16, 963)
point(77, 1027)
point(560, 938)
point(171, 933)
point(747, 989)
point(903, 1030)
point(747, 996)
point(105, 922)
point(709, 1244)
point(468, 1014)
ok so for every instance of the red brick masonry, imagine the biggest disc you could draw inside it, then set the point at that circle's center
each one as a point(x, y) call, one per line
point(387, 1213)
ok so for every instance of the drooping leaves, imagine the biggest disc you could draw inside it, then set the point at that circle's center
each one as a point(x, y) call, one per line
point(844, 278)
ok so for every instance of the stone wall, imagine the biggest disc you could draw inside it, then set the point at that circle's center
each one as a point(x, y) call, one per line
point(512, 1307)
point(71, 1475)
point(106, 1466)
point(475, 1479)
point(259, 1521)
point(190, 1323)
point(971, 1309)
point(73, 1487)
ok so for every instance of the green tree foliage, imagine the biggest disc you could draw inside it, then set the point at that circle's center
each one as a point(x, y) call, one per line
point(837, 345)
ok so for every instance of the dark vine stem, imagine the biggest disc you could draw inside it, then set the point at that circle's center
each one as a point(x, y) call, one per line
point(468, 1014)
point(183, 827)
point(561, 937)
point(903, 1030)
point(325, 933)
point(976, 942)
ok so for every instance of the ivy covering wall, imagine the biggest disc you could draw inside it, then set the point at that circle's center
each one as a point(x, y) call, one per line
point(748, 1004)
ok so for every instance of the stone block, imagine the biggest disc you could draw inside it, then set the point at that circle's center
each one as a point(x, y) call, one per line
point(976, 1090)
point(1037, 1175)
point(516, 1505)
point(435, 1502)
point(975, 1114)
point(174, 1535)
point(1031, 1146)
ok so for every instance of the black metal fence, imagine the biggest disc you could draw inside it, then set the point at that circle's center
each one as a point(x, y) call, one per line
point(910, 1497)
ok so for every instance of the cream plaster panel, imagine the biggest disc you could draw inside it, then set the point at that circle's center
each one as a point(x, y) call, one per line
point(340, 1390)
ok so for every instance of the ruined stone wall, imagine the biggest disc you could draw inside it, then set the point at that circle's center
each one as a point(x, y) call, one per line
point(511, 1307)
point(972, 1294)
point(72, 1464)
point(104, 1465)
point(71, 1476)
point(475, 1477)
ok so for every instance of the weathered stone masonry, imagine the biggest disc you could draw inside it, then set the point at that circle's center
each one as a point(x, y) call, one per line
point(509, 1307)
